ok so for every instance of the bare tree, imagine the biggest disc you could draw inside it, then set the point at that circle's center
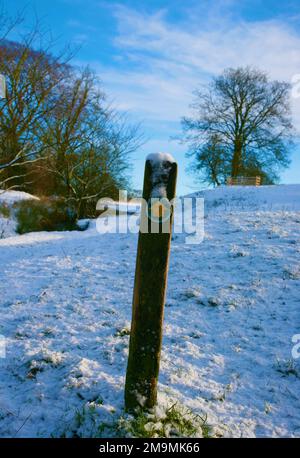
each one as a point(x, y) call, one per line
point(58, 136)
point(31, 76)
point(242, 124)
point(89, 144)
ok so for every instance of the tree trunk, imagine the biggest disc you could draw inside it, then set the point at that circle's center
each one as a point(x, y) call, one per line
point(237, 159)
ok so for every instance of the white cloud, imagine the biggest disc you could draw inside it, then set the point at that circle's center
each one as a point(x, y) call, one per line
point(160, 63)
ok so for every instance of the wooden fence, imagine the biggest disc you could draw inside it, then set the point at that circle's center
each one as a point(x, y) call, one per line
point(244, 181)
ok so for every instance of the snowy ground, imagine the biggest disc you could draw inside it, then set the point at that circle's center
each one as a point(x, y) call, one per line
point(232, 308)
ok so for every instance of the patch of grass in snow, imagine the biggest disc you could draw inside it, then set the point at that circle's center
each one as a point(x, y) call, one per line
point(287, 367)
point(210, 301)
point(87, 411)
point(54, 359)
point(191, 293)
point(85, 422)
point(122, 332)
point(196, 335)
point(222, 394)
point(238, 253)
point(21, 335)
point(268, 408)
point(48, 332)
point(291, 273)
point(175, 421)
point(34, 367)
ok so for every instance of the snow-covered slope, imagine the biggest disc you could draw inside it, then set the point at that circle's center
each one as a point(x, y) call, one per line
point(251, 198)
point(231, 312)
point(11, 197)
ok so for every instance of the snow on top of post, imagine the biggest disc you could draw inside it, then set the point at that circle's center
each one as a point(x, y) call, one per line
point(161, 166)
point(160, 157)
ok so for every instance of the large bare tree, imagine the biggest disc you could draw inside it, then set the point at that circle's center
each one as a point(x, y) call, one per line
point(241, 125)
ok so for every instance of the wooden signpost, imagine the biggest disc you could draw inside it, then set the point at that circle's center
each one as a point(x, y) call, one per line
point(150, 281)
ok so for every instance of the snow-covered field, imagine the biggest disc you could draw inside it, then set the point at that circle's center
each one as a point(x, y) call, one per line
point(233, 305)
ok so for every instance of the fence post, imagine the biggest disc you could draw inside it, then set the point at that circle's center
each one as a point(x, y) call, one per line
point(150, 282)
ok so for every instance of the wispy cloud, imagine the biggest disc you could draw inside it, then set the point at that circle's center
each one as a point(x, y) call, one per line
point(160, 62)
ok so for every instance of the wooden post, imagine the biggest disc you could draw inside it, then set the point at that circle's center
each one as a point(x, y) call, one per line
point(150, 283)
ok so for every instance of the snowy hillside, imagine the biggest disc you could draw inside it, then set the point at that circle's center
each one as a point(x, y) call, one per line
point(232, 308)
point(249, 198)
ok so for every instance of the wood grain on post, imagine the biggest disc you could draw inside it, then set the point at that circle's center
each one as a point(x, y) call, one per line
point(150, 282)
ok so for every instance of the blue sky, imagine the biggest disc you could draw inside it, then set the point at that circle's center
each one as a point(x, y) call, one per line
point(151, 55)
